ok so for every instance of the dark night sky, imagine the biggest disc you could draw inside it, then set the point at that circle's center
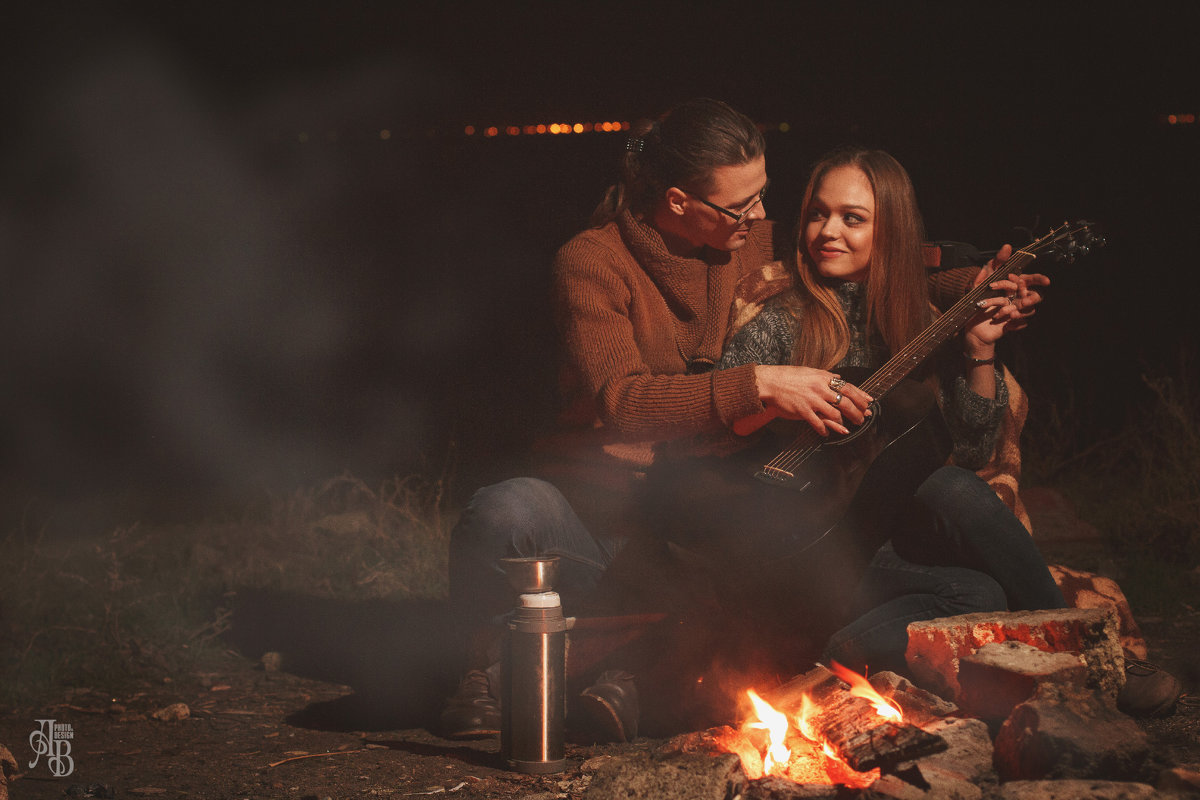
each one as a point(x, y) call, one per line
point(199, 301)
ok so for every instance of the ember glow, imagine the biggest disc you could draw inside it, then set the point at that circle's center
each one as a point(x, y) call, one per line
point(805, 726)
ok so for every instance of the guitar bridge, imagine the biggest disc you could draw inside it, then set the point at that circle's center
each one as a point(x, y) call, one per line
point(776, 474)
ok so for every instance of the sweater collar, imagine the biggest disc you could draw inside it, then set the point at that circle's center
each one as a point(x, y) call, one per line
point(682, 280)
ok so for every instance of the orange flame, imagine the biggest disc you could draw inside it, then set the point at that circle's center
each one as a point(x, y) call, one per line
point(859, 687)
point(777, 754)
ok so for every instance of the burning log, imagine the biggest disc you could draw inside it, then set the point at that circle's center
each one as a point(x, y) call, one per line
point(850, 717)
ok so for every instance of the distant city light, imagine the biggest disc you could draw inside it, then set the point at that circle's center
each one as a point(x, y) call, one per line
point(1177, 119)
point(556, 128)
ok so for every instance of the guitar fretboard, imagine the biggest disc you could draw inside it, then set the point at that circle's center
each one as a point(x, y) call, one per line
point(913, 354)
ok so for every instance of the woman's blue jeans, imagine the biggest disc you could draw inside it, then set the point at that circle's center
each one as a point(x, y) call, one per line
point(962, 551)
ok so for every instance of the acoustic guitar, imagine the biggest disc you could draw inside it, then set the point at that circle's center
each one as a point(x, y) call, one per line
point(813, 486)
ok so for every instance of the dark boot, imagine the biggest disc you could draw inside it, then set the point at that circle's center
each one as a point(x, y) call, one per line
point(607, 711)
point(1149, 691)
point(474, 710)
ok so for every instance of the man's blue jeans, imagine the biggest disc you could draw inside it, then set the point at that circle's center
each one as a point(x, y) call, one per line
point(520, 517)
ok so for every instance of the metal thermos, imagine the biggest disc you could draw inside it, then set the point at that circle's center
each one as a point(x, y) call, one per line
point(534, 671)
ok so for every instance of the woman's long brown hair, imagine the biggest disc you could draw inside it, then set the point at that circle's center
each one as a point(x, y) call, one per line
point(896, 286)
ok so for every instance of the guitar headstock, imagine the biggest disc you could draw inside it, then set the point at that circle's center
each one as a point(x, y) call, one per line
point(1069, 241)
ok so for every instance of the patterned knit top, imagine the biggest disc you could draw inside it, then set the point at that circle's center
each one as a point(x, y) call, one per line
point(973, 421)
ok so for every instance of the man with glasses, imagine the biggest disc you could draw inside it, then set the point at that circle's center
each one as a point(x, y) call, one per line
point(643, 300)
point(747, 206)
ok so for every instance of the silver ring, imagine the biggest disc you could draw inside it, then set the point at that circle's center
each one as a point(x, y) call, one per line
point(1011, 297)
point(837, 399)
point(836, 383)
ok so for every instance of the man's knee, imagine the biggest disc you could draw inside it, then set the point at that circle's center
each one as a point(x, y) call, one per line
point(514, 510)
point(516, 503)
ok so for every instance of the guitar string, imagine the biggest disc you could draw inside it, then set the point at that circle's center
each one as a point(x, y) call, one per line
point(922, 345)
point(963, 309)
point(909, 356)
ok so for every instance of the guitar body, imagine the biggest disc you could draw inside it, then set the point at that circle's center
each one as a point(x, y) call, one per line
point(731, 506)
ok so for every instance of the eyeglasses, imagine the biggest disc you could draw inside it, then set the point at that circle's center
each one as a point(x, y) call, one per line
point(737, 217)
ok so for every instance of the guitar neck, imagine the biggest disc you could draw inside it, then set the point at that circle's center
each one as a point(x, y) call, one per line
point(913, 354)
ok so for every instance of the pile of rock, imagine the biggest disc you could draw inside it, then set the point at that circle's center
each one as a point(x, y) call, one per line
point(1025, 701)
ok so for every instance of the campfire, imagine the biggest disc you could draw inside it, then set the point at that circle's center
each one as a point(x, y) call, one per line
point(816, 732)
point(1025, 699)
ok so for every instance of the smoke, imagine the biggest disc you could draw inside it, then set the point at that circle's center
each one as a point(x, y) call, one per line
point(194, 293)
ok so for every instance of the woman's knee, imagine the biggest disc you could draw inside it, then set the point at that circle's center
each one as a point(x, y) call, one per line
point(970, 592)
point(950, 484)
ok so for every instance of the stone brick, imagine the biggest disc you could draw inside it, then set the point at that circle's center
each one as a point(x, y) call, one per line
point(937, 785)
point(783, 789)
point(1076, 790)
point(1001, 675)
point(1089, 590)
point(1180, 780)
point(936, 647)
point(1067, 732)
point(968, 754)
point(686, 776)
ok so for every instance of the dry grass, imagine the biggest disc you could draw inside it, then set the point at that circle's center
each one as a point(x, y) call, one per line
point(148, 603)
point(1140, 487)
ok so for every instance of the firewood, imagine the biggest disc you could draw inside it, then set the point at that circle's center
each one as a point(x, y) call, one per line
point(851, 725)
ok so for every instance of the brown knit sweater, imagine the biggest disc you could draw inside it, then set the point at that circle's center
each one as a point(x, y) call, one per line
point(631, 316)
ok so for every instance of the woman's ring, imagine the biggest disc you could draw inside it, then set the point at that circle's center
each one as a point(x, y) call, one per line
point(837, 399)
point(836, 383)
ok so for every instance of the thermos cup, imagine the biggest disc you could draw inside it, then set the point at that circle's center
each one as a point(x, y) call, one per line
point(534, 670)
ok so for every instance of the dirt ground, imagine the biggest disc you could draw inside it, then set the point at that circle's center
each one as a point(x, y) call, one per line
point(245, 737)
point(252, 732)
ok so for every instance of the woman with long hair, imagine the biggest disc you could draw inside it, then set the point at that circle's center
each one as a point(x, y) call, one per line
point(859, 294)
